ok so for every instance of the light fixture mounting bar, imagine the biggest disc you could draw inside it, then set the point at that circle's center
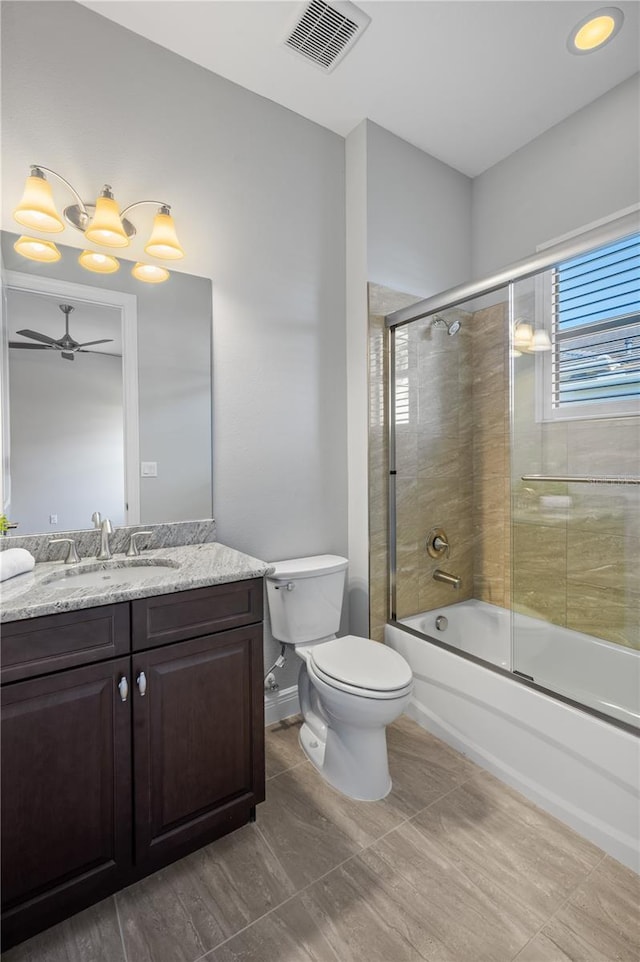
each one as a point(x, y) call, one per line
point(163, 208)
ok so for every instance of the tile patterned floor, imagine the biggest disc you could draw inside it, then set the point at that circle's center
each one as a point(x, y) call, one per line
point(452, 867)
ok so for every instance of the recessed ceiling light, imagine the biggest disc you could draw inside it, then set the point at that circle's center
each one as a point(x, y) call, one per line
point(595, 31)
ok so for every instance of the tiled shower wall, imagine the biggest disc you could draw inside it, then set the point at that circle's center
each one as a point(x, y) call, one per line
point(490, 445)
point(451, 459)
point(576, 547)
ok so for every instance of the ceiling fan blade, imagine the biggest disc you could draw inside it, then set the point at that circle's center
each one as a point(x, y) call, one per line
point(29, 347)
point(81, 350)
point(38, 337)
point(67, 356)
point(105, 340)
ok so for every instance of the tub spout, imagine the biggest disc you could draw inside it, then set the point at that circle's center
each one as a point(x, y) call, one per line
point(446, 578)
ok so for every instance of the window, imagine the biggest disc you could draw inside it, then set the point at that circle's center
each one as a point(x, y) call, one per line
point(594, 367)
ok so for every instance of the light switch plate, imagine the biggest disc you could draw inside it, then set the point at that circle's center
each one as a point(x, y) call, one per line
point(149, 469)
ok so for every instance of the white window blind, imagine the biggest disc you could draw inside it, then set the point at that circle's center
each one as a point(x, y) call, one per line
point(596, 327)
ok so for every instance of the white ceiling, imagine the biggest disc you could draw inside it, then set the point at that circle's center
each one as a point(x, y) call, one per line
point(467, 81)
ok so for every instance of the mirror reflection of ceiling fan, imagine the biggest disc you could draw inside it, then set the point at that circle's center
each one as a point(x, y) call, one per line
point(66, 345)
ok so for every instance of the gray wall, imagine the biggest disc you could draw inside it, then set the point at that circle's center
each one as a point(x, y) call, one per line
point(409, 229)
point(581, 170)
point(258, 196)
point(418, 217)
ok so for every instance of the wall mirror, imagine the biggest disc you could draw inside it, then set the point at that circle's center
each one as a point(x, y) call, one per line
point(123, 426)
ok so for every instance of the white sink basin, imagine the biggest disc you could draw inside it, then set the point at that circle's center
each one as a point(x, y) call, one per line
point(106, 574)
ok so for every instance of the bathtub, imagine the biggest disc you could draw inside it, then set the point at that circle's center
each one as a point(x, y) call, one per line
point(578, 767)
point(596, 673)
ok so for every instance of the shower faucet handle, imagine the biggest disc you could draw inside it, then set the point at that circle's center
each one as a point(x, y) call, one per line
point(437, 543)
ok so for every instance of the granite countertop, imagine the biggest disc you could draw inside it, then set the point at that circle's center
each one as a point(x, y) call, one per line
point(40, 592)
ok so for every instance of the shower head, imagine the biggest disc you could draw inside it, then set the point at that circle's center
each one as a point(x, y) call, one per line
point(452, 328)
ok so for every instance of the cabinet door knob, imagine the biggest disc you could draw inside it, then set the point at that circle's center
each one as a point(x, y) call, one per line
point(123, 688)
point(142, 683)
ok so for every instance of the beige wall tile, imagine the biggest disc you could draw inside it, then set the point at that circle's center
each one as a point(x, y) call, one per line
point(607, 447)
point(539, 571)
point(442, 457)
point(609, 613)
point(544, 598)
point(606, 509)
point(554, 448)
point(602, 560)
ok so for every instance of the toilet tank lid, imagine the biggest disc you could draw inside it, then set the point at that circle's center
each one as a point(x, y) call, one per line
point(322, 564)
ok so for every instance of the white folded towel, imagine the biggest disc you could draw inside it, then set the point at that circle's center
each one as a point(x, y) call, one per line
point(15, 561)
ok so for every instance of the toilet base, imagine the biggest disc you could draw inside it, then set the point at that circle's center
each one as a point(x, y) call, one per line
point(353, 762)
point(312, 746)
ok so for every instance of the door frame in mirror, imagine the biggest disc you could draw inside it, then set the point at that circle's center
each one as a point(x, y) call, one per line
point(127, 304)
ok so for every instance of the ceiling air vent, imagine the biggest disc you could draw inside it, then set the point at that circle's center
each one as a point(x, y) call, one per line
point(325, 33)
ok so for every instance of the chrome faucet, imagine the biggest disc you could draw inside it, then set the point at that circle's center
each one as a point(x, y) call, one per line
point(133, 550)
point(106, 529)
point(447, 579)
point(72, 552)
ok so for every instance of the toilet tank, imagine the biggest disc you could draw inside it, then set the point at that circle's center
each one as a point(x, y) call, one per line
point(305, 598)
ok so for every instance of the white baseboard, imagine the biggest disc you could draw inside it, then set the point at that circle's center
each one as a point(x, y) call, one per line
point(281, 704)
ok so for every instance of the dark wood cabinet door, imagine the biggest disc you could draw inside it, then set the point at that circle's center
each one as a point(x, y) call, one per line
point(198, 741)
point(165, 619)
point(40, 646)
point(66, 794)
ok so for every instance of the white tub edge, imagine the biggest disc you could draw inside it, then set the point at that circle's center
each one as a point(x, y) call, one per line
point(578, 768)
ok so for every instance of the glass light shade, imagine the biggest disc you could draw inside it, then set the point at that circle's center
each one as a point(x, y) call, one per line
point(37, 209)
point(163, 242)
point(100, 263)
point(540, 341)
point(150, 273)
point(37, 250)
point(106, 226)
point(522, 336)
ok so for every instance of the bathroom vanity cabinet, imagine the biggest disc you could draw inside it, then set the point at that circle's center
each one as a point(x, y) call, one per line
point(131, 734)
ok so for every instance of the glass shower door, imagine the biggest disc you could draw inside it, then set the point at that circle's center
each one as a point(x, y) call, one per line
point(575, 463)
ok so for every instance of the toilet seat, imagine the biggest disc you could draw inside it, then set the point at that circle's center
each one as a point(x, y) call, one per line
point(361, 667)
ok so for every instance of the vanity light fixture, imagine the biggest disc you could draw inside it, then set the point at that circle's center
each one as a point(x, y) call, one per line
point(163, 242)
point(527, 339)
point(106, 227)
point(540, 341)
point(150, 273)
point(37, 208)
point(595, 30)
point(37, 250)
point(102, 223)
point(98, 262)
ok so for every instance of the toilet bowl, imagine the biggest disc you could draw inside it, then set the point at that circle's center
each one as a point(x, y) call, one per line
point(350, 688)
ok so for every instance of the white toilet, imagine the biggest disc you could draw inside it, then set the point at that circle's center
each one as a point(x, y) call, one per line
point(350, 688)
